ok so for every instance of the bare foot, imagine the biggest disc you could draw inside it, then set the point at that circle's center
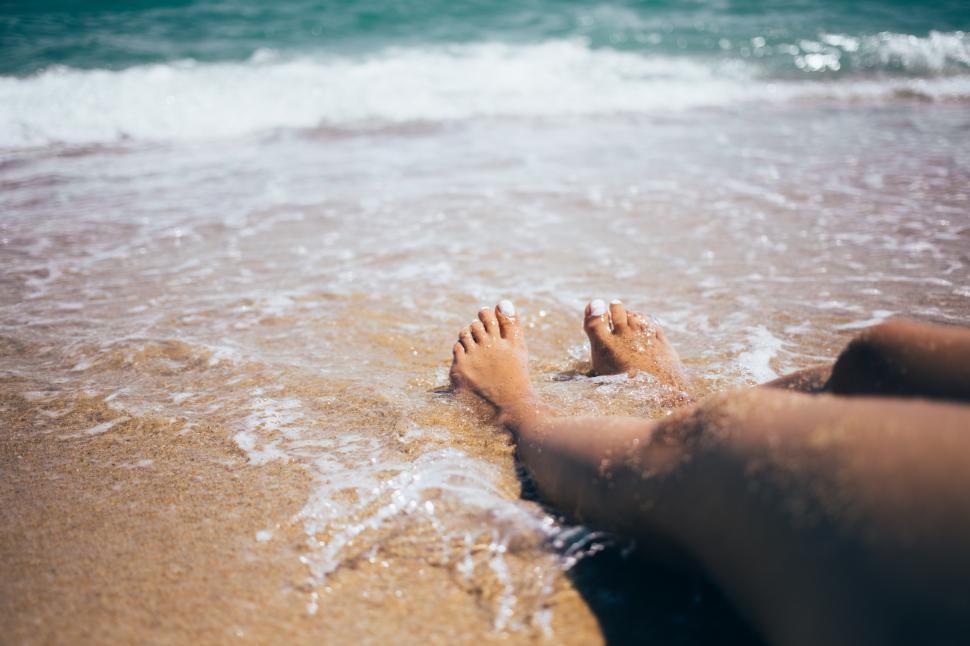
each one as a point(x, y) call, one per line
point(491, 360)
point(622, 341)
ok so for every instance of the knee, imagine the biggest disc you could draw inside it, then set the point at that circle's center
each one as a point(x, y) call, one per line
point(885, 335)
point(866, 365)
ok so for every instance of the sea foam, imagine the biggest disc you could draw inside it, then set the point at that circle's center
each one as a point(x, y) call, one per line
point(188, 100)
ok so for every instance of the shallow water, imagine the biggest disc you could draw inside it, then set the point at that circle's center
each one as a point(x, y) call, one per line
point(294, 276)
point(300, 291)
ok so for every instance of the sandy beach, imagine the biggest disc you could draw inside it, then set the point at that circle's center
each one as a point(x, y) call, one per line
point(237, 242)
point(179, 555)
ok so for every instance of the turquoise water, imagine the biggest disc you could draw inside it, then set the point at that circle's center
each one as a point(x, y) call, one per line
point(82, 73)
point(113, 35)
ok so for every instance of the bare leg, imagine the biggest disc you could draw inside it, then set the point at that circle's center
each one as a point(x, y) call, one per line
point(828, 520)
point(900, 358)
point(905, 358)
point(810, 380)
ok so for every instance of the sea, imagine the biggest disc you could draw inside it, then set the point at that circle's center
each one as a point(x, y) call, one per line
point(269, 220)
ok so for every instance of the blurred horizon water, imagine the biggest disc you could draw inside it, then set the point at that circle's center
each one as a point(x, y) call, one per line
point(271, 219)
point(98, 73)
point(104, 35)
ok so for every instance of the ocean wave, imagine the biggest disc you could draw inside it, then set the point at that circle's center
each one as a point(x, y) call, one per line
point(188, 100)
point(885, 52)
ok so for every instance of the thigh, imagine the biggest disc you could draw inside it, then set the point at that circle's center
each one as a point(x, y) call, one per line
point(831, 518)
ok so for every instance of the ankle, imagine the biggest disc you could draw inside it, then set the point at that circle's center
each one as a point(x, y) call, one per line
point(525, 411)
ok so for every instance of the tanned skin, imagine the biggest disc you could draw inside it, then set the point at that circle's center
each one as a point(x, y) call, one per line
point(832, 506)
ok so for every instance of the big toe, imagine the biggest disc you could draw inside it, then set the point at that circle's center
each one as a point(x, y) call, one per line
point(508, 320)
point(596, 323)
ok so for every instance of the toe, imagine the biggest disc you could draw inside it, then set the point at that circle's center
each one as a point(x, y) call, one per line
point(596, 323)
point(458, 352)
point(649, 322)
point(618, 316)
point(508, 322)
point(478, 332)
point(649, 325)
point(636, 321)
point(487, 317)
point(465, 339)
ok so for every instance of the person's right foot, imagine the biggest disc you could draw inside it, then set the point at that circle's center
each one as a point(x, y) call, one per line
point(622, 341)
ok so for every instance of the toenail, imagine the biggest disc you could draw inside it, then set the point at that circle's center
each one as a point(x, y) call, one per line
point(597, 307)
point(506, 307)
point(616, 302)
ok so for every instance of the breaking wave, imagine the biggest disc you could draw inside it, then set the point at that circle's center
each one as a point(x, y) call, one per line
point(188, 100)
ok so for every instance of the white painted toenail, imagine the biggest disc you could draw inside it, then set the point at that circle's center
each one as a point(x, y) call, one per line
point(506, 308)
point(616, 302)
point(597, 307)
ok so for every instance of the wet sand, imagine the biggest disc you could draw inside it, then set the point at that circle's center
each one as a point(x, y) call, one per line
point(144, 531)
point(115, 536)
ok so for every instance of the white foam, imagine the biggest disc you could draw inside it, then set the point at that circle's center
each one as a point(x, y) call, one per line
point(36, 395)
point(106, 426)
point(934, 53)
point(269, 414)
point(764, 346)
point(141, 464)
point(878, 316)
point(186, 100)
point(259, 452)
point(365, 492)
point(384, 502)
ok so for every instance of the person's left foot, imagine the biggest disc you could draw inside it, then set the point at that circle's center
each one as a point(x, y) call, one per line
point(491, 360)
